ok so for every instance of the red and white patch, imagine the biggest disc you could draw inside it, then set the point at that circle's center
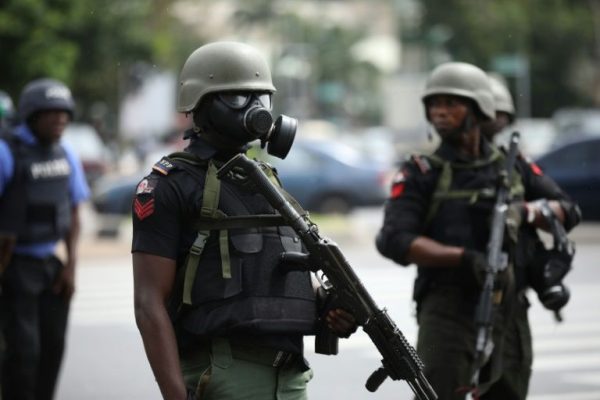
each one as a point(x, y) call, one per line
point(536, 169)
point(143, 209)
point(145, 186)
point(398, 184)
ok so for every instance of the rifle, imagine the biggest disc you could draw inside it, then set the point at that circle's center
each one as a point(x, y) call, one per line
point(497, 261)
point(400, 360)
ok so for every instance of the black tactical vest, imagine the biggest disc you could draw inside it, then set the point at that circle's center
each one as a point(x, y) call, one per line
point(460, 210)
point(36, 205)
point(239, 285)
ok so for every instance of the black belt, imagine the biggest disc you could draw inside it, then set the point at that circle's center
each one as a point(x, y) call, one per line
point(263, 356)
point(256, 354)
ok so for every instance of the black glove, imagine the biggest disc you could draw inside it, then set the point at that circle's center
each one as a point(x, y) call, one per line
point(476, 262)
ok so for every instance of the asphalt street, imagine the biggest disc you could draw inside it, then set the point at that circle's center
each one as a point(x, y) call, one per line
point(105, 356)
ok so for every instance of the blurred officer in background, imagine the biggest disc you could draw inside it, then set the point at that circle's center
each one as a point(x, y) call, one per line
point(438, 217)
point(504, 107)
point(41, 187)
point(218, 317)
point(7, 111)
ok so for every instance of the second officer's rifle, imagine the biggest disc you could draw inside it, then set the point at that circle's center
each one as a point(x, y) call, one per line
point(399, 358)
point(497, 261)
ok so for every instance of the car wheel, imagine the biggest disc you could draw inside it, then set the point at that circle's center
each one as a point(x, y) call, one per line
point(334, 204)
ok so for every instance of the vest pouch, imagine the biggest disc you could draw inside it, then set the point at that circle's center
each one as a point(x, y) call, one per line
point(41, 220)
point(289, 239)
point(210, 283)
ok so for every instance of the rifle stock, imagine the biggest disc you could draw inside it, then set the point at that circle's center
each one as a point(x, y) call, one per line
point(399, 358)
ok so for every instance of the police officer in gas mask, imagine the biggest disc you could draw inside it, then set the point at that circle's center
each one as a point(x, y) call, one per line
point(218, 317)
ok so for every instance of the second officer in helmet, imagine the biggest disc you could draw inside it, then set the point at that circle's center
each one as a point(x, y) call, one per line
point(218, 317)
point(438, 217)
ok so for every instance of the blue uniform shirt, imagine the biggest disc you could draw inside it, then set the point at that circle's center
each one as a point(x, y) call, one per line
point(78, 188)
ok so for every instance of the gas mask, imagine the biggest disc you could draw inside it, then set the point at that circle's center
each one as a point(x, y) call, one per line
point(552, 265)
point(237, 118)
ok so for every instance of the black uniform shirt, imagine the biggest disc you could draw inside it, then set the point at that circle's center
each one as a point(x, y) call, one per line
point(164, 204)
point(412, 189)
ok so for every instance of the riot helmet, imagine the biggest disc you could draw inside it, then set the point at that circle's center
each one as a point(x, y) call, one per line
point(228, 88)
point(7, 109)
point(463, 80)
point(45, 94)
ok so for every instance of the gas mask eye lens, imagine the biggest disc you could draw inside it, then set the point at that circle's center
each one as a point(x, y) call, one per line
point(235, 100)
point(265, 100)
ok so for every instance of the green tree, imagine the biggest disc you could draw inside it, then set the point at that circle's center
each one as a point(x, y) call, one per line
point(554, 35)
point(88, 44)
point(341, 87)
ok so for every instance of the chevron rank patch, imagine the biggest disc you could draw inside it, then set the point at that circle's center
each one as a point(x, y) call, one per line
point(143, 209)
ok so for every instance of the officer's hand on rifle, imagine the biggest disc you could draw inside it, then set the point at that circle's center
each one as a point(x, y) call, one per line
point(341, 322)
point(476, 262)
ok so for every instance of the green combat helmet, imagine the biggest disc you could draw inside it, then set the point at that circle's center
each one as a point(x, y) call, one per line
point(221, 66)
point(502, 99)
point(464, 80)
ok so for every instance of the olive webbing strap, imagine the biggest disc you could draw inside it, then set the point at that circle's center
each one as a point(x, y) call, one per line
point(224, 249)
point(442, 190)
point(210, 202)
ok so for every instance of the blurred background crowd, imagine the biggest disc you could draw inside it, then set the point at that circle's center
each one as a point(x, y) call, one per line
point(352, 71)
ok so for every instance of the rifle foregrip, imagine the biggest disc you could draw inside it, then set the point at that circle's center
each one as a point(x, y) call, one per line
point(376, 379)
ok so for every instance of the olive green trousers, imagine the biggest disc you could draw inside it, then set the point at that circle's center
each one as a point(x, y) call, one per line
point(218, 371)
point(446, 343)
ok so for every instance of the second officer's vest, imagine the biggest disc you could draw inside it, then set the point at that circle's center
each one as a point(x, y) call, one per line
point(36, 204)
point(232, 279)
point(464, 221)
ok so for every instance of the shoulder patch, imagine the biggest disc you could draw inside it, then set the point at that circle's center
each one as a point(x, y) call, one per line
point(536, 169)
point(533, 166)
point(164, 166)
point(146, 185)
point(398, 183)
